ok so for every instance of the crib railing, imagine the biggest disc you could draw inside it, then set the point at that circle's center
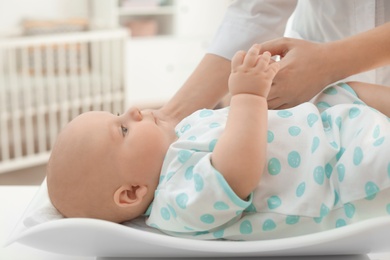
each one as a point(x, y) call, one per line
point(48, 80)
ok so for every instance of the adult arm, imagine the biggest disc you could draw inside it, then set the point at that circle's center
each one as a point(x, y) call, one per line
point(203, 89)
point(245, 23)
point(307, 67)
point(375, 96)
point(240, 153)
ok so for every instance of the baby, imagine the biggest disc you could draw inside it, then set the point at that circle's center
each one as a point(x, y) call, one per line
point(241, 172)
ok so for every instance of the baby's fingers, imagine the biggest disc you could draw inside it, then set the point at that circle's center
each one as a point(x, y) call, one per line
point(252, 55)
point(264, 60)
point(238, 59)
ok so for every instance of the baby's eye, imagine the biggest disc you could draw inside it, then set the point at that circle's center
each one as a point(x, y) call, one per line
point(124, 130)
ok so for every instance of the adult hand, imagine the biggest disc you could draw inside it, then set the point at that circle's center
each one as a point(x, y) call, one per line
point(305, 69)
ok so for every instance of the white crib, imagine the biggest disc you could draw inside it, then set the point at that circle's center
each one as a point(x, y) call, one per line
point(45, 81)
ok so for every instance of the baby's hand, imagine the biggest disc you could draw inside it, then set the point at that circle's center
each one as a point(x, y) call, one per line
point(252, 73)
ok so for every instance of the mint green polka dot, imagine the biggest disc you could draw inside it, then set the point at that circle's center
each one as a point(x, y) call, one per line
point(300, 189)
point(246, 227)
point(182, 200)
point(319, 175)
point(357, 156)
point(377, 132)
point(340, 223)
point(214, 125)
point(379, 141)
point(339, 122)
point(184, 155)
point(198, 182)
point(199, 233)
point(291, 220)
point(328, 170)
point(169, 175)
point(294, 159)
point(324, 117)
point(172, 211)
point(189, 173)
point(153, 225)
point(315, 144)
point(371, 190)
point(347, 88)
point(330, 121)
point(165, 213)
point(294, 130)
point(284, 113)
point(388, 170)
point(212, 145)
point(336, 197)
point(220, 205)
point(349, 210)
point(219, 233)
point(270, 136)
point(334, 144)
point(274, 202)
point(269, 225)
point(340, 153)
point(324, 210)
point(185, 128)
point(318, 220)
point(206, 113)
point(340, 172)
point(323, 104)
point(330, 91)
point(312, 119)
point(388, 208)
point(354, 112)
point(251, 208)
point(274, 166)
point(192, 138)
point(207, 218)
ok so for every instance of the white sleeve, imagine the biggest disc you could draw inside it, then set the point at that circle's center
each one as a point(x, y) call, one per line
point(248, 22)
point(196, 198)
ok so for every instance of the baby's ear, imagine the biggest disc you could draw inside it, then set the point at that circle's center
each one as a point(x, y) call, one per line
point(129, 195)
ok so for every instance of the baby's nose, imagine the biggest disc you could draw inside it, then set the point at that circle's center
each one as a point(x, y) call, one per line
point(135, 114)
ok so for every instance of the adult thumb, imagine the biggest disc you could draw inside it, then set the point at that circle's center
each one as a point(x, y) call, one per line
point(279, 46)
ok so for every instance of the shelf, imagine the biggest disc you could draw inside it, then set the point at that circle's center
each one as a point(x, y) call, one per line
point(158, 10)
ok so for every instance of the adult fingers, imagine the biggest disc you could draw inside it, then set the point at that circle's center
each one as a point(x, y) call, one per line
point(274, 102)
point(274, 67)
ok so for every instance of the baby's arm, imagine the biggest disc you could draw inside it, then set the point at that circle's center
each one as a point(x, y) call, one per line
point(240, 153)
point(375, 96)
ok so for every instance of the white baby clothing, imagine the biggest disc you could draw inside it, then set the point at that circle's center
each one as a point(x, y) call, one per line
point(328, 165)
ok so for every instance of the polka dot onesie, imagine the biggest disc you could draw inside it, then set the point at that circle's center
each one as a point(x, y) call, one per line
point(328, 166)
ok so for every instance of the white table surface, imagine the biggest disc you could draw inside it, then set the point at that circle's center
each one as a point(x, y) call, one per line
point(13, 202)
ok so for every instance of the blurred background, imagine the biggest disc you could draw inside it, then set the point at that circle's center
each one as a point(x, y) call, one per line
point(60, 58)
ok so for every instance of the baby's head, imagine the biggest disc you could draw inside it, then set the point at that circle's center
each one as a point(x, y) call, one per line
point(107, 167)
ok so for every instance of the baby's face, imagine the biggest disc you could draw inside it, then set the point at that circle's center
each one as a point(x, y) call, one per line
point(136, 139)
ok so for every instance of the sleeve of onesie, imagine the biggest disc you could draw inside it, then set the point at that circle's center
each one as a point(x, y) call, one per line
point(248, 22)
point(198, 199)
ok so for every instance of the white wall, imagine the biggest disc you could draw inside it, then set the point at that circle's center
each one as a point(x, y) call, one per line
point(199, 17)
point(12, 12)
